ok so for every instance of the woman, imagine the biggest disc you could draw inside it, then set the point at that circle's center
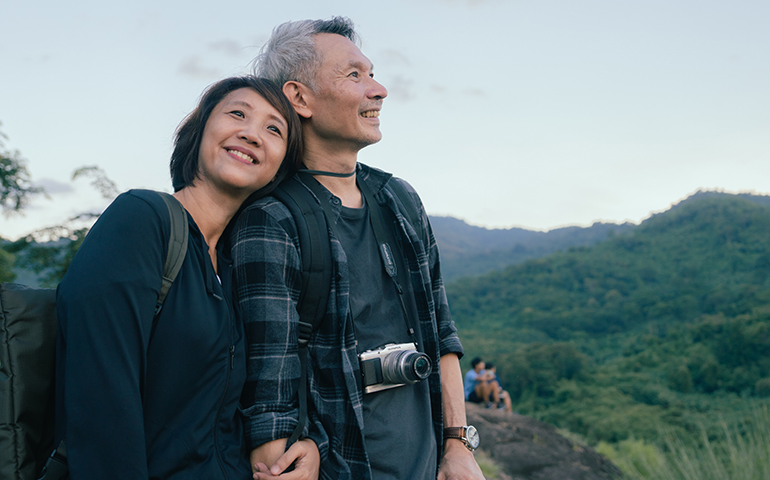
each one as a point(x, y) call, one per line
point(143, 397)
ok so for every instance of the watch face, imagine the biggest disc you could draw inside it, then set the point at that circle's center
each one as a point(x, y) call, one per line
point(473, 436)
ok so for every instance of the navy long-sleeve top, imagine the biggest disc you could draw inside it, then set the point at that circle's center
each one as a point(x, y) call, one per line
point(145, 399)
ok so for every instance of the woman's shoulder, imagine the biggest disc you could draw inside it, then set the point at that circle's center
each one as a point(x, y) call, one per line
point(138, 207)
point(135, 213)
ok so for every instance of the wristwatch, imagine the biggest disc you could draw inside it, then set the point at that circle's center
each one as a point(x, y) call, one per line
point(467, 434)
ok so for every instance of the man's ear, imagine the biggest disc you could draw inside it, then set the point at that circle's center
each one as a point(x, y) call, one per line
point(297, 94)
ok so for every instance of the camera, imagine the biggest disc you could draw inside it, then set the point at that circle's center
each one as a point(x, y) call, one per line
point(393, 365)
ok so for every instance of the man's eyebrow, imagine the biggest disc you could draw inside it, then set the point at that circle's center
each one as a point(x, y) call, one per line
point(361, 65)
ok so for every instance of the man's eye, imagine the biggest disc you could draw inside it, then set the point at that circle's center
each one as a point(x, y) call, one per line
point(354, 74)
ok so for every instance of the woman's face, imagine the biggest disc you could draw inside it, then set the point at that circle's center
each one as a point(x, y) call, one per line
point(243, 144)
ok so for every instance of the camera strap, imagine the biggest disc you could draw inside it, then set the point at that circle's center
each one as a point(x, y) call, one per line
point(385, 238)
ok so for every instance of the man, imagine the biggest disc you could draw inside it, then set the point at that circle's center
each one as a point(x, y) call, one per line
point(478, 387)
point(394, 433)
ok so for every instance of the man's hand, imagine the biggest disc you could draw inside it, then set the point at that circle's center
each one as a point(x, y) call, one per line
point(458, 463)
point(303, 455)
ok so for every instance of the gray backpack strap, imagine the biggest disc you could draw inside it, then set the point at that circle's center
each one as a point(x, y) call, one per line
point(177, 246)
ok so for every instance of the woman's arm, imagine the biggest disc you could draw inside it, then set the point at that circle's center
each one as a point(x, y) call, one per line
point(105, 305)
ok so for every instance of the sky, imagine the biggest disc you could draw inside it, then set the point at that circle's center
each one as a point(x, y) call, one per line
point(527, 113)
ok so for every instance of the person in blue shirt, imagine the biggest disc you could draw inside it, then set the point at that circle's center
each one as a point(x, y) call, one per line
point(476, 385)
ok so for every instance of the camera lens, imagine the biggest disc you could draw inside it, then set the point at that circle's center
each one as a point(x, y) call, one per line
point(406, 366)
point(421, 366)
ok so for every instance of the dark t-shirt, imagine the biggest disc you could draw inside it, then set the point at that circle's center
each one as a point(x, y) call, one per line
point(398, 430)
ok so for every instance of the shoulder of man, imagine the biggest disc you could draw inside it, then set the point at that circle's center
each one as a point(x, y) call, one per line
point(265, 211)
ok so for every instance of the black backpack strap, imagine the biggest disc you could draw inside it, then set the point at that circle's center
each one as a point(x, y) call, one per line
point(56, 466)
point(177, 246)
point(315, 249)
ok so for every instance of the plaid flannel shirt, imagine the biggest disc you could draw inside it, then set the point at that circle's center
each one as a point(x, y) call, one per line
point(267, 268)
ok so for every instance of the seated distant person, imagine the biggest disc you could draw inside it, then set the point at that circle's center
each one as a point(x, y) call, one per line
point(505, 399)
point(478, 388)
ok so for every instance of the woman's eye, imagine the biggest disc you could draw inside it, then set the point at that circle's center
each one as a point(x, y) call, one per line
point(275, 129)
point(238, 113)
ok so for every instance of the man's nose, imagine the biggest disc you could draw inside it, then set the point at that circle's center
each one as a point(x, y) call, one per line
point(377, 90)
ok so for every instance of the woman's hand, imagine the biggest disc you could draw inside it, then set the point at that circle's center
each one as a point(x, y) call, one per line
point(303, 455)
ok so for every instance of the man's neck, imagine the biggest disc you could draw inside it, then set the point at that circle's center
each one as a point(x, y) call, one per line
point(336, 162)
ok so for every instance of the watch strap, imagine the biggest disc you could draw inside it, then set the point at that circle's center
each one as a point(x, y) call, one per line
point(454, 432)
point(460, 433)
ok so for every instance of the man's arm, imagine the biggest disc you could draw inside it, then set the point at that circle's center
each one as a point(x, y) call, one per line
point(267, 272)
point(458, 462)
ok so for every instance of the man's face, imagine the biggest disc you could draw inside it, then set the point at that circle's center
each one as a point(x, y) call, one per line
point(346, 103)
point(480, 366)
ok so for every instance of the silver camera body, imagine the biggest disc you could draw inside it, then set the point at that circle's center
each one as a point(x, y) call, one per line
point(393, 365)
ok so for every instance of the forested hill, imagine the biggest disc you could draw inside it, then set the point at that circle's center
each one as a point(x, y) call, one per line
point(467, 250)
point(651, 325)
point(707, 255)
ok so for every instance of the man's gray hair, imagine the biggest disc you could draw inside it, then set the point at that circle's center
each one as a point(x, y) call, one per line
point(290, 52)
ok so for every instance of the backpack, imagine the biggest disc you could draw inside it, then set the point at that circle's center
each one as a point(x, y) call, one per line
point(312, 220)
point(28, 327)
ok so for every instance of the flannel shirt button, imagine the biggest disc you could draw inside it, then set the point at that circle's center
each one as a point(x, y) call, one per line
point(336, 201)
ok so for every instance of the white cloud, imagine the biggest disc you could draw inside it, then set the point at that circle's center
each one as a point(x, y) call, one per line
point(192, 67)
point(229, 47)
point(54, 187)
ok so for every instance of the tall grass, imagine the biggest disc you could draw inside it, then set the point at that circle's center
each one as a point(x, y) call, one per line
point(738, 452)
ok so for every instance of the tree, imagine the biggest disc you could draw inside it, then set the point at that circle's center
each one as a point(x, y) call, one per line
point(49, 261)
point(15, 184)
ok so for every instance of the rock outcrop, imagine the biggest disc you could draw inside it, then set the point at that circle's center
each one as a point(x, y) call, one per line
point(527, 449)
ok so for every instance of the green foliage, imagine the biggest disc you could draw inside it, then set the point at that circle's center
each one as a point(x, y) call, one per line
point(49, 260)
point(666, 327)
point(489, 468)
point(541, 367)
point(99, 180)
point(739, 451)
point(635, 458)
point(15, 184)
point(6, 263)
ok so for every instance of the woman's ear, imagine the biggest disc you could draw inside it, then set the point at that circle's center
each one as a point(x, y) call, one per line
point(298, 94)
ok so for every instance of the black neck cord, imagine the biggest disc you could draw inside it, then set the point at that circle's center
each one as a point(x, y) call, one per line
point(327, 174)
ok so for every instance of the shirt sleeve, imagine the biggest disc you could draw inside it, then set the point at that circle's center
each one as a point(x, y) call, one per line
point(267, 270)
point(449, 342)
point(105, 305)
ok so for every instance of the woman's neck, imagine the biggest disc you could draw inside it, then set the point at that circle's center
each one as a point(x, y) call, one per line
point(211, 210)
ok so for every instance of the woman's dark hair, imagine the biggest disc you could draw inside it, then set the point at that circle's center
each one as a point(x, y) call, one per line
point(184, 159)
